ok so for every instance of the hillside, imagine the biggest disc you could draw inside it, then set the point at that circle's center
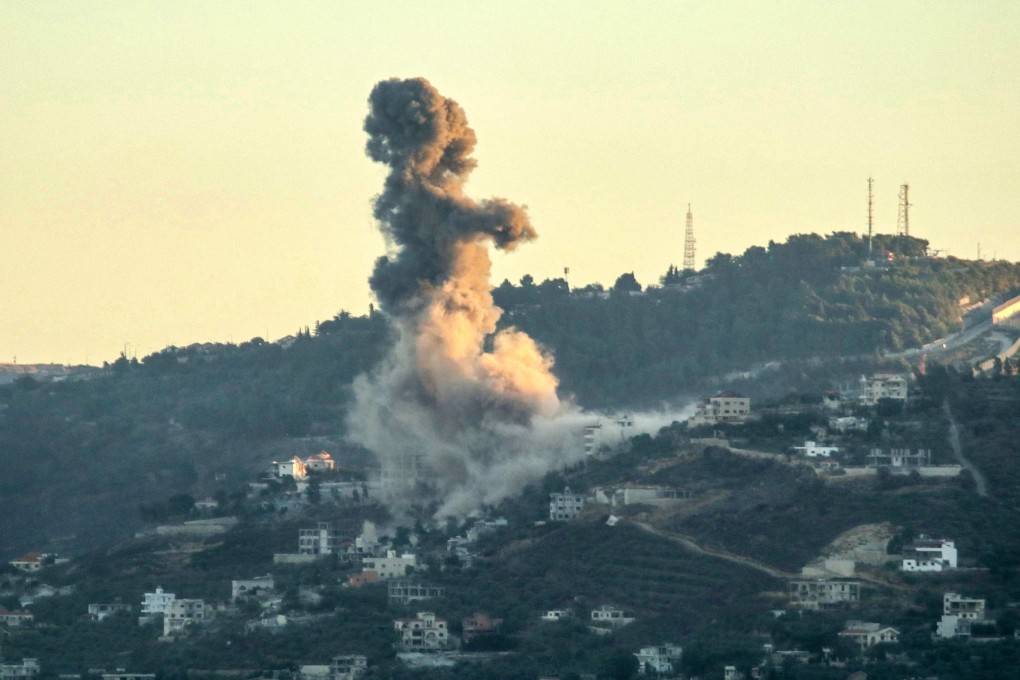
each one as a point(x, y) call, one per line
point(81, 457)
point(706, 572)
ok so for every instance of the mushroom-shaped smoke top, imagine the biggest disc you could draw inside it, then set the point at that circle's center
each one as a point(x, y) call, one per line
point(425, 139)
point(457, 415)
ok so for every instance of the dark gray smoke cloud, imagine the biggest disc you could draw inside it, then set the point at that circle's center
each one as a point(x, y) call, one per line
point(468, 413)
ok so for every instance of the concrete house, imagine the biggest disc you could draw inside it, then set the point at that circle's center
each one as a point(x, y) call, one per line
point(927, 554)
point(565, 506)
point(882, 386)
point(322, 540)
point(101, 611)
point(183, 613)
point(658, 660)
point(814, 450)
point(348, 667)
point(867, 634)
point(958, 614)
point(32, 561)
point(28, 668)
point(609, 615)
point(157, 602)
point(823, 594)
point(252, 587)
point(18, 617)
point(391, 565)
point(725, 407)
point(425, 632)
point(320, 462)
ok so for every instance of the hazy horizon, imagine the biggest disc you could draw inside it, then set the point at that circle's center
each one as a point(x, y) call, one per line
point(196, 173)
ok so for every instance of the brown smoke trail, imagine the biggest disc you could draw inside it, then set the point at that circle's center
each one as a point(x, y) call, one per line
point(454, 397)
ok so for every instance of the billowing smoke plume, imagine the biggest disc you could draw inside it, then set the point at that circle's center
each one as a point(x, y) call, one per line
point(457, 408)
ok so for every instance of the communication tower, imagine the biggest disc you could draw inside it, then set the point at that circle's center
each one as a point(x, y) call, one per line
point(689, 241)
point(871, 213)
point(903, 219)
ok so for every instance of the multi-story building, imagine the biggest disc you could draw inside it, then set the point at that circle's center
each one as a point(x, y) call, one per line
point(28, 668)
point(349, 667)
point(658, 660)
point(565, 506)
point(183, 613)
point(17, 617)
point(404, 592)
point(391, 565)
point(425, 632)
point(927, 554)
point(322, 540)
point(899, 460)
point(958, 614)
point(320, 462)
point(725, 407)
point(882, 386)
point(824, 594)
point(157, 602)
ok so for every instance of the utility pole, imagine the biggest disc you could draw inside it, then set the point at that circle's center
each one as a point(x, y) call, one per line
point(689, 241)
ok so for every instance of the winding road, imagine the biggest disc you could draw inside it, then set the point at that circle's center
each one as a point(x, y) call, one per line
point(980, 485)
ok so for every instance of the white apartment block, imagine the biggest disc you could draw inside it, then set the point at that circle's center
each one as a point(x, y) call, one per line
point(157, 602)
point(926, 554)
point(322, 540)
point(294, 467)
point(565, 506)
point(390, 566)
point(425, 632)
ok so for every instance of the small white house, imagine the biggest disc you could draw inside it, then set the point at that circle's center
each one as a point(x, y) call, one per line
point(556, 614)
point(926, 554)
point(867, 634)
point(608, 615)
point(390, 566)
point(815, 450)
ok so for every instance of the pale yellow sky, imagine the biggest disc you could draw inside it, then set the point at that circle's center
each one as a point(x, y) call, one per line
point(194, 171)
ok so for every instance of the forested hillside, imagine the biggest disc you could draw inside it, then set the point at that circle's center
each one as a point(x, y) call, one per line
point(80, 457)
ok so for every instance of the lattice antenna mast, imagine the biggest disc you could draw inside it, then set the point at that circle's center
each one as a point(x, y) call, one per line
point(871, 213)
point(689, 241)
point(903, 220)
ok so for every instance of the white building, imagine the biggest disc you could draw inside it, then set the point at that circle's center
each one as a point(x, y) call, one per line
point(814, 450)
point(390, 566)
point(157, 602)
point(183, 613)
point(368, 542)
point(849, 424)
point(899, 459)
point(725, 407)
point(658, 660)
point(425, 632)
point(349, 667)
point(294, 467)
point(883, 386)
point(608, 615)
point(867, 634)
point(565, 506)
point(320, 462)
point(28, 668)
point(926, 554)
point(958, 613)
point(592, 439)
point(322, 540)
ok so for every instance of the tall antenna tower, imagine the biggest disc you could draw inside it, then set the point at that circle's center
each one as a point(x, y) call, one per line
point(903, 219)
point(689, 241)
point(871, 213)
